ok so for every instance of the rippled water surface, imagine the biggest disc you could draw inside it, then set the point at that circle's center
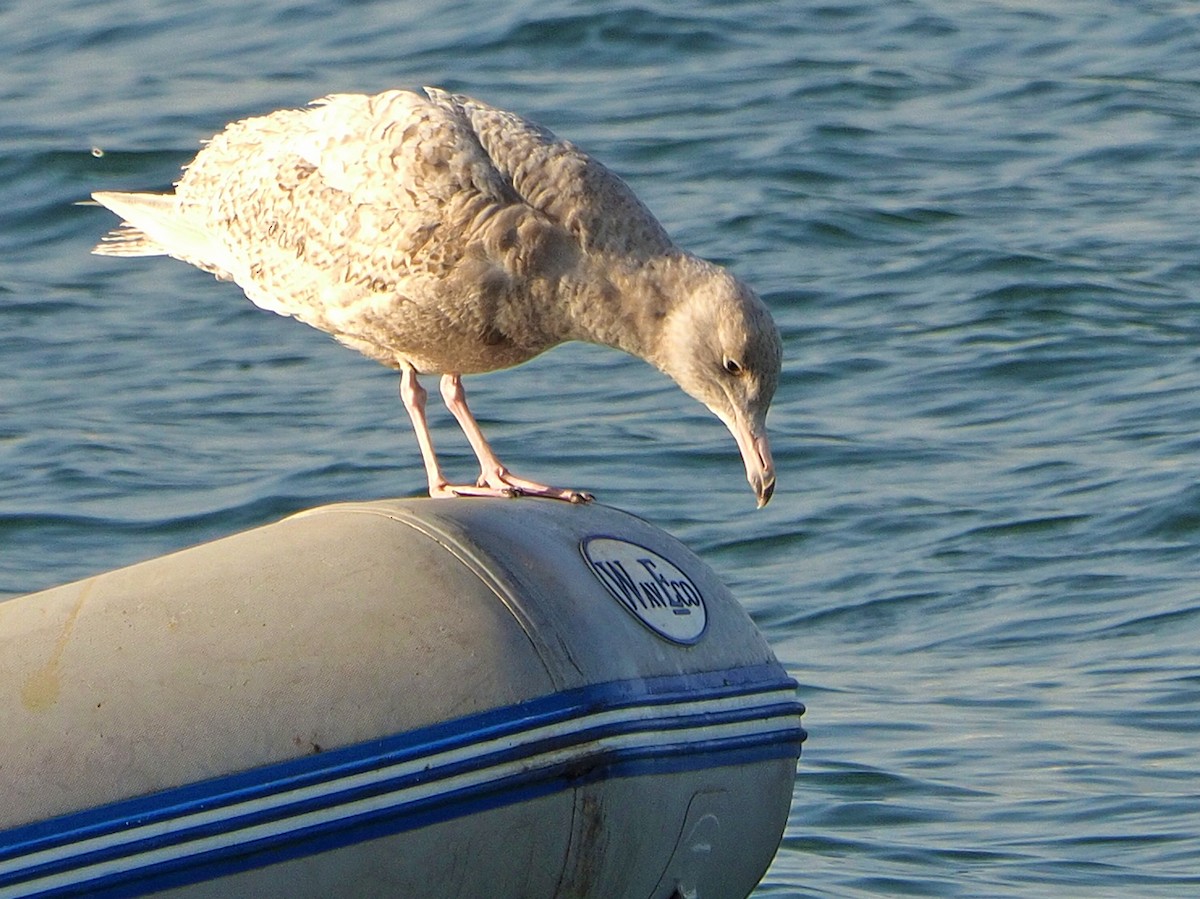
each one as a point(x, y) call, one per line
point(976, 225)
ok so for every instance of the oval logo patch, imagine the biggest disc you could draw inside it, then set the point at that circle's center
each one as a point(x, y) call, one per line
point(651, 588)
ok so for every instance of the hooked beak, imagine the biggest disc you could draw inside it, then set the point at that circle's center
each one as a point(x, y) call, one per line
point(756, 454)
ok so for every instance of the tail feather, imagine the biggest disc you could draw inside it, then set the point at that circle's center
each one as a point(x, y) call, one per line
point(127, 241)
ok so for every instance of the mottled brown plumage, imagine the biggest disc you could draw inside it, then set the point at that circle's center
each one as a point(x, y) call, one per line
point(436, 234)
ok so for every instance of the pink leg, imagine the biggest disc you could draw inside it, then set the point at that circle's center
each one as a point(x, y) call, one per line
point(413, 395)
point(492, 473)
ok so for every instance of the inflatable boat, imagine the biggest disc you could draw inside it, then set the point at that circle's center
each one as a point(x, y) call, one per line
point(405, 698)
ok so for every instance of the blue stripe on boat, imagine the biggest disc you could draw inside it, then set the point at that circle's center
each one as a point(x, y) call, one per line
point(355, 793)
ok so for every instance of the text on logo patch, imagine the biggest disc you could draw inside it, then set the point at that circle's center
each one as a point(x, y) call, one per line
point(650, 587)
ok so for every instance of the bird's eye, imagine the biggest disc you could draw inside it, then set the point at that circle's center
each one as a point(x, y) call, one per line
point(733, 366)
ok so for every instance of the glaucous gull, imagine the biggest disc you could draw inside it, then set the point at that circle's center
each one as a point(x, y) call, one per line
point(436, 234)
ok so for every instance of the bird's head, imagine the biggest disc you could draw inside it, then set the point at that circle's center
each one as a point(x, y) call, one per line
point(722, 347)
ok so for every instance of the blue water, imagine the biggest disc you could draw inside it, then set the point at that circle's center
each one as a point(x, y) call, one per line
point(976, 225)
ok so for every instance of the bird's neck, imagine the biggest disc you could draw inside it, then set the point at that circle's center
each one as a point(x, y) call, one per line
point(625, 305)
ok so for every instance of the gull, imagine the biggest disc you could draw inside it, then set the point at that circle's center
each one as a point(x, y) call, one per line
point(439, 235)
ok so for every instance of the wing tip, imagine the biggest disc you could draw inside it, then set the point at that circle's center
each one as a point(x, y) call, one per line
point(129, 239)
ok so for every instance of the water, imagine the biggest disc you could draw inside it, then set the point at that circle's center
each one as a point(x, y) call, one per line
point(976, 225)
